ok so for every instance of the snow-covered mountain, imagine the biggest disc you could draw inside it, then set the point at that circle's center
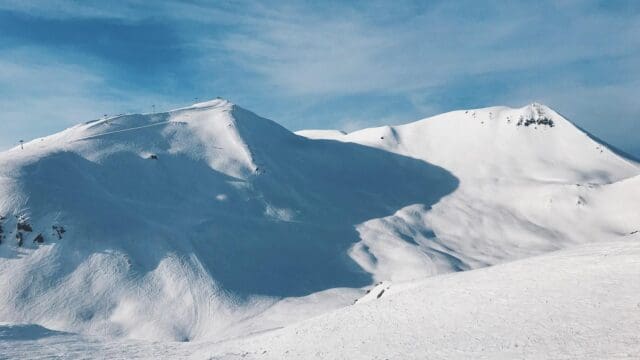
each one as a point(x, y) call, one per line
point(210, 222)
point(182, 224)
point(529, 182)
point(532, 143)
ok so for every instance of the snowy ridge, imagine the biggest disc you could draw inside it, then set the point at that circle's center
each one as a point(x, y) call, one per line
point(206, 131)
point(209, 222)
point(495, 142)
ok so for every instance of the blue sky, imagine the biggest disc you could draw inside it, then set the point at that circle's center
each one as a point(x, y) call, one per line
point(329, 64)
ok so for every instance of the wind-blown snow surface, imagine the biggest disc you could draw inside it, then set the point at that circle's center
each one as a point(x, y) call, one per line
point(210, 223)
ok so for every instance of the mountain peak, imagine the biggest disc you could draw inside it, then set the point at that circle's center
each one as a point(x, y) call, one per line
point(538, 106)
point(218, 102)
point(537, 114)
point(499, 142)
point(222, 134)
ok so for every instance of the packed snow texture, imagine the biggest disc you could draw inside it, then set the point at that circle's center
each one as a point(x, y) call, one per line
point(209, 223)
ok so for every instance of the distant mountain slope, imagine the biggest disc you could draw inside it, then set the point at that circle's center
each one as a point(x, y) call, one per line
point(210, 222)
point(532, 142)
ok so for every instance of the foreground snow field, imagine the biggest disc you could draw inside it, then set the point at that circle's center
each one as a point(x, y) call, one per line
point(198, 231)
point(572, 304)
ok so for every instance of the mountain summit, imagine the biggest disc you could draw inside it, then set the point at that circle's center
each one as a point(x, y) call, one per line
point(532, 142)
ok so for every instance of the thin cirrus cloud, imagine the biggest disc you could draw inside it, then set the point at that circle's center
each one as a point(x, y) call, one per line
point(338, 64)
point(319, 52)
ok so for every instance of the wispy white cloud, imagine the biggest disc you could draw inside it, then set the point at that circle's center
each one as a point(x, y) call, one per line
point(343, 50)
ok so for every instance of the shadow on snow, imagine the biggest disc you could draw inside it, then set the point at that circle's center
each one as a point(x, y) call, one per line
point(284, 231)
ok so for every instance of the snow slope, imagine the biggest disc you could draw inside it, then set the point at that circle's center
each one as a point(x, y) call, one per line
point(571, 304)
point(210, 222)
